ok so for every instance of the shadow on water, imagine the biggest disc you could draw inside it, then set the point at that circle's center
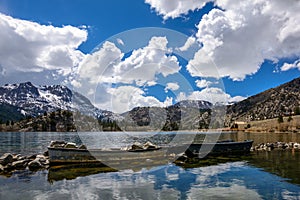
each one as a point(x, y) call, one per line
point(72, 171)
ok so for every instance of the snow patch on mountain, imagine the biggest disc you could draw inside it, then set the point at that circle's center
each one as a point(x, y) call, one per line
point(35, 100)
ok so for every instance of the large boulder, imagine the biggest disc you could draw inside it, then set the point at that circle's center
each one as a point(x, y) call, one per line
point(6, 158)
point(31, 157)
point(35, 165)
point(18, 157)
point(149, 145)
point(21, 164)
point(136, 146)
point(8, 167)
point(42, 159)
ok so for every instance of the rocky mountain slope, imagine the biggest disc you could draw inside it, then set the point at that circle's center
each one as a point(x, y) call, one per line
point(19, 101)
point(26, 99)
point(283, 100)
point(185, 115)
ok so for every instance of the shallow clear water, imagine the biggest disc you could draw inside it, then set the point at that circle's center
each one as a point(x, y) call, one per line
point(266, 175)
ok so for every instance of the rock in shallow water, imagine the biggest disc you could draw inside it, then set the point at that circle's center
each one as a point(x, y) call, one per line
point(6, 158)
point(21, 164)
point(13, 162)
point(35, 165)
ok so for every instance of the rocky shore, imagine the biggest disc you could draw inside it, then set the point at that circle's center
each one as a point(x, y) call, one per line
point(12, 162)
point(276, 146)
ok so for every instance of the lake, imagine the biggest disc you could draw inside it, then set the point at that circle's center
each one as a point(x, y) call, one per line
point(261, 175)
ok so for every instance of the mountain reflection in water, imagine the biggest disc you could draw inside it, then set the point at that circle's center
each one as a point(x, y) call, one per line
point(285, 164)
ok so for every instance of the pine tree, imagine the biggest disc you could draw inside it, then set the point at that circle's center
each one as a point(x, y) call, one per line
point(297, 110)
point(280, 119)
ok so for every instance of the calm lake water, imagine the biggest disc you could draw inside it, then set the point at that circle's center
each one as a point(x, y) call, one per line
point(264, 175)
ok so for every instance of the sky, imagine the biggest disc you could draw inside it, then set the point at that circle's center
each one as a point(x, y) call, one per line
point(123, 53)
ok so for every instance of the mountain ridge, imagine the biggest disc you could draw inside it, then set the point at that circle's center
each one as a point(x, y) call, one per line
point(272, 103)
point(26, 99)
point(33, 101)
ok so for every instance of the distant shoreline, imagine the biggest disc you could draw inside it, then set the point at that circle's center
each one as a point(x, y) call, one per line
point(289, 125)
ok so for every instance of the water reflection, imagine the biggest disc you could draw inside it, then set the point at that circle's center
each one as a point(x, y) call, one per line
point(282, 163)
point(230, 180)
point(263, 175)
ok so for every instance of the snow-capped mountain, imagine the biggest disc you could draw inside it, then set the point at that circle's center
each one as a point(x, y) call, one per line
point(204, 105)
point(31, 100)
point(35, 100)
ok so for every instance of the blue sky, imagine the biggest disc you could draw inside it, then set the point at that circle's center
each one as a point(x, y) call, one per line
point(253, 45)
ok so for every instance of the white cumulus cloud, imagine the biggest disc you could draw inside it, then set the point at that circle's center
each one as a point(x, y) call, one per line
point(203, 83)
point(171, 86)
point(189, 42)
point(141, 67)
point(240, 36)
point(213, 95)
point(27, 46)
point(106, 66)
point(288, 66)
point(98, 66)
point(125, 98)
point(173, 9)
